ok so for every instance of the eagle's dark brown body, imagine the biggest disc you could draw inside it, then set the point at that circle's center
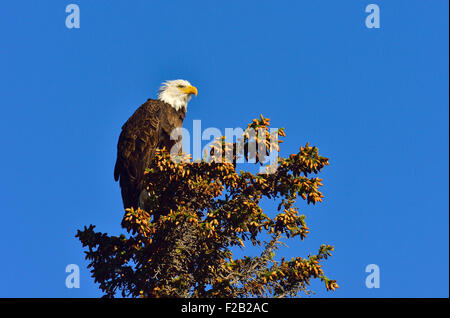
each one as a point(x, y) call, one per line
point(148, 129)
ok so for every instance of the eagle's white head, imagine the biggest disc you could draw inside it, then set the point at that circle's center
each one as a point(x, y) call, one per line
point(176, 93)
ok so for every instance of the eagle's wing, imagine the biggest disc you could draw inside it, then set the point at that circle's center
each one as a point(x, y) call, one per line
point(136, 147)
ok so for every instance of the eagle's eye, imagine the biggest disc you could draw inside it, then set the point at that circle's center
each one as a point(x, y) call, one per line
point(180, 86)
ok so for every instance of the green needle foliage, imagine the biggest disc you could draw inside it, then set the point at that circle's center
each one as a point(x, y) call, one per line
point(180, 245)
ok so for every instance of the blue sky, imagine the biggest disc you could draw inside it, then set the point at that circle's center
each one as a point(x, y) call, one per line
point(375, 101)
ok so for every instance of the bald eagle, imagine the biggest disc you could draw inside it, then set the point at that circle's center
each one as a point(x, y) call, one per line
point(148, 129)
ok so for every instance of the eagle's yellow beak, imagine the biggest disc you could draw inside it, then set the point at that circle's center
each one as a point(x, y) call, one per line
point(190, 90)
